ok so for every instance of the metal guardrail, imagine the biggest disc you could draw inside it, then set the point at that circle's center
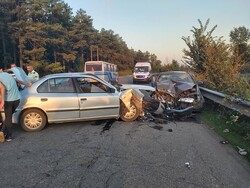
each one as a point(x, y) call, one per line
point(236, 104)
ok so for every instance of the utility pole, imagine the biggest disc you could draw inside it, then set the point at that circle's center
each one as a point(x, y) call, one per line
point(91, 52)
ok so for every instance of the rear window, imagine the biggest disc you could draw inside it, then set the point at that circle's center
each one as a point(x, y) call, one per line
point(57, 85)
point(93, 67)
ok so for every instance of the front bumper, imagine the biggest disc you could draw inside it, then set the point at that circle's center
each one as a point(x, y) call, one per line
point(140, 80)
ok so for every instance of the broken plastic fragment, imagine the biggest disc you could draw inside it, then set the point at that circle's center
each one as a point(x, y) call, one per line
point(224, 142)
point(241, 151)
point(187, 164)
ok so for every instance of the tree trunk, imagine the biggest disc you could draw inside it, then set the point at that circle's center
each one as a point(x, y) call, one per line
point(20, 53)
point(55, 56)
point(4, 50)
point(82, 56)
point(14, 52)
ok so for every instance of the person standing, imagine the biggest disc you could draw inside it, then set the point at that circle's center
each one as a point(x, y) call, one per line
point(32, 74)
point(10, 99)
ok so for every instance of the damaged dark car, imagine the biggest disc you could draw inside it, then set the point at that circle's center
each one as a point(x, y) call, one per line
point(179, 90)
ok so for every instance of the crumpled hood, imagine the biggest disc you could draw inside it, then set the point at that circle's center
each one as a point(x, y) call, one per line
point(174, 88)
point(134, 86)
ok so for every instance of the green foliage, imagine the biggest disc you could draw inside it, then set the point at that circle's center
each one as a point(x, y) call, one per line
point(240, 35)
point(174, 66)
point(233, 119)
point(216, 62)
point(124, 73)
point(220, 66)
point(44, 68)
point(55, 68)
point(195, 56)
point(240, 38)
point(239, 129)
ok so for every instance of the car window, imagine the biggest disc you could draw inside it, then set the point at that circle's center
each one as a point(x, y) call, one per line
point(141, 69)
point(90, 85)
point(164, 77)
point(181, 77)
point(184, 77)
point(57, 85)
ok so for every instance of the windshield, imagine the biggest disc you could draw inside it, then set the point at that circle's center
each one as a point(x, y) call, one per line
point(141, 69)
point(181, 77)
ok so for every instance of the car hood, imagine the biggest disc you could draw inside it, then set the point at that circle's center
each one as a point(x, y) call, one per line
point(174, 88)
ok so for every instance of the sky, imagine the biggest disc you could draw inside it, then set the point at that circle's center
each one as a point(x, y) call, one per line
point(158, 26)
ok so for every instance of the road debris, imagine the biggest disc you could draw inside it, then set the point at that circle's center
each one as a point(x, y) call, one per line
point(242, 151)
point(224, 142)
point(187, 164)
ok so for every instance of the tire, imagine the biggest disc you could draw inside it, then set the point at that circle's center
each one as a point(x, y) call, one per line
point(130, 115)
point(33, 120)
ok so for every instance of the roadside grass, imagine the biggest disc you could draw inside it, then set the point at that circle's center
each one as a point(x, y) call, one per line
point(125, 72)
point(239, 130)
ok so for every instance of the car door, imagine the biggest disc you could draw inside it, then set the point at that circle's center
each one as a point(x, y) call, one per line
point(96, 99)
point(58, 97)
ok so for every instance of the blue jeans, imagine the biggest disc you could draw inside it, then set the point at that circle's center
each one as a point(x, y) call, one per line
point(9, 109)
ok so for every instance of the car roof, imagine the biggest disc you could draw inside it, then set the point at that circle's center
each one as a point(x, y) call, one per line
point(174, 72)
point(70, 74)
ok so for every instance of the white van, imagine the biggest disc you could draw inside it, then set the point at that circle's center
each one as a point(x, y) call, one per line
point(141, 72)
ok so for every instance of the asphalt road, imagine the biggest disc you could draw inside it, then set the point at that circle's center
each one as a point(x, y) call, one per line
point(136, 154)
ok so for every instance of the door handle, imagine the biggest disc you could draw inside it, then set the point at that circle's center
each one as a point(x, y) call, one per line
point(44, 99)
point(83, 99)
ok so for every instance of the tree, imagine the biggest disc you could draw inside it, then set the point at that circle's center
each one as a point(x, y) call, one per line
point(222, 70)
point(214, 62)
point(195, 55)
point(40, 29)
point(240, 37)
point(81, 35)
point(6, 44)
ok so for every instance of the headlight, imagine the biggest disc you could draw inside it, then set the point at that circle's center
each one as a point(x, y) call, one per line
point(187, 100)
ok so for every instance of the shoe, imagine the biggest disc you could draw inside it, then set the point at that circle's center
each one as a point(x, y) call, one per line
point(1, 137)
point(8, 139)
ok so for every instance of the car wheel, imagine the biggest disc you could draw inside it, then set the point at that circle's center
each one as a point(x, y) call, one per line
point(131, 114)
point(33, 120)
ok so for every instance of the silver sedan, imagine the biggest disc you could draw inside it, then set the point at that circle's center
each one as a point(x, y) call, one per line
point(66, 97)
point(70, 97)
